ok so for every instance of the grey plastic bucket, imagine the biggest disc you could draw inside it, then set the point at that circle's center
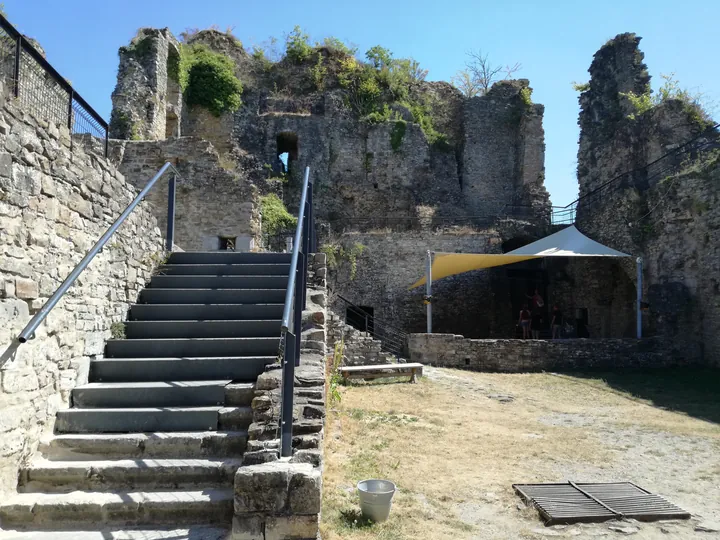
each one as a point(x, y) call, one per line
point(376, 498)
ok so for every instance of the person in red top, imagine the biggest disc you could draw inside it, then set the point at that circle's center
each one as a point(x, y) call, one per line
point(524, 321)
point(537, 314)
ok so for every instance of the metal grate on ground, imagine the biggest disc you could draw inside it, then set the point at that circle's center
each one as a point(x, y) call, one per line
point(593, 503)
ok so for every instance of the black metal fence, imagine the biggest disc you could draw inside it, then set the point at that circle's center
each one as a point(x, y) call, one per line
point(41, 90)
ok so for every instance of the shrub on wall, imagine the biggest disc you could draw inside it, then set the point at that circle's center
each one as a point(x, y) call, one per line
point(275, 217)
point(208, 79)
point(297, 46)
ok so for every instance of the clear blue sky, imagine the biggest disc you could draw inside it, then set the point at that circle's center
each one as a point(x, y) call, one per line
point(554, 40)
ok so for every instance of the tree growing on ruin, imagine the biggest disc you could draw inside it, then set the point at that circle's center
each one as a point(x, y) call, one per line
point(481, 73)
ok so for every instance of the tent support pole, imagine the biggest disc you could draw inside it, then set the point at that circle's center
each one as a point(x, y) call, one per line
point(639, 296)
point(428, 290)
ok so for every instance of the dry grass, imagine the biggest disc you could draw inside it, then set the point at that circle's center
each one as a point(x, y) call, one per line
point(454, 447)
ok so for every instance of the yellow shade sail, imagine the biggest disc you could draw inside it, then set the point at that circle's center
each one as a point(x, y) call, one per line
point(449, 264)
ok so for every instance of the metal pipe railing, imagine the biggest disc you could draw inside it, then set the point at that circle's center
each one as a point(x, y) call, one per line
point(29, 331)
point(295, 298)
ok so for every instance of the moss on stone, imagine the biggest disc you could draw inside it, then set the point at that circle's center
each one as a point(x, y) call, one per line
point(397, 134)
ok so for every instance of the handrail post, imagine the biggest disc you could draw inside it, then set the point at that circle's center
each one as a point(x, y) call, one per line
point(70, 116)
point(18, 53)
point(288, 387)
point(298, 302)
point(171, 214)
point(306, 253)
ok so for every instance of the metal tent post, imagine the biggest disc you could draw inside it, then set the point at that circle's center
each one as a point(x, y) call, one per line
point(639, 296)
point(428, 290)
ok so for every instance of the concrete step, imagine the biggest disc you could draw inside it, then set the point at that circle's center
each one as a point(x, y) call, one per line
point(149, 394)
point(237, 368)
point(194, 347)
point(212, 296)
point(68, 510)
point(224, 270)
point(202, 329)
point(148, 419)
point(191, 532)
point(228, 257)
point(235, 418)
point(218, 282)
point(198, 312)
point(126, 474)
point(191, 444)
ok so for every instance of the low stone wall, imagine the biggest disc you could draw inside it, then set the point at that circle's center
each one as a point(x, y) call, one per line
point(280, 497)
point(518, 355)
point(359, 348)
point(55, 203)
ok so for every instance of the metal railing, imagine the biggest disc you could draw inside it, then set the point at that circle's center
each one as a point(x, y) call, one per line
point(41, 90)
point(669, 163)
point(295, 301)
point(29, 331)
point(393, 339)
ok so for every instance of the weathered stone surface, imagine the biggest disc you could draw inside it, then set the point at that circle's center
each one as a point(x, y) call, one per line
point(262, 488)
point(518, 355)
point(292, 527)
point(305, 489)
point(48, 224)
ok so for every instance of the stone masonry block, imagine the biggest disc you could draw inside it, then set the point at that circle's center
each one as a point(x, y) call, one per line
point(248, 527)
point(305, 489)
point(292, 527)
point(26, 288)
point(261, 488)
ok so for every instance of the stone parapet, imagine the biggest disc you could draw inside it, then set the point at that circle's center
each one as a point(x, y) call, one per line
point(519, 355)
point(56, 201)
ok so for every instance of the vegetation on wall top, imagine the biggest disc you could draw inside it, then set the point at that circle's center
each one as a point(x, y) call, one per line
point(208, 79)
point(670, 90)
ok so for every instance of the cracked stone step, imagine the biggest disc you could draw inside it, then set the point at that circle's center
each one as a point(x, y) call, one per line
point(236, 368)
point(69, 510)
point(194, 444)
point(137, 420)
point(149, 394)
point(127, 474)
point(260, 269)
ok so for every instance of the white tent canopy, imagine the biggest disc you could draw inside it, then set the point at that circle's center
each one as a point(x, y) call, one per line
point(568, 242)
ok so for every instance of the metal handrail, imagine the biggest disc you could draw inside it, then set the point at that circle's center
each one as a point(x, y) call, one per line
point(29, 330)
point(297, 246)
point(295, 299)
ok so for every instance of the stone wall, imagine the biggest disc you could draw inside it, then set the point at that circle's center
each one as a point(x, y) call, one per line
point(210, 201)
point(55, 203)
point(519, 356)
point(280, 497)
point(359, 348)
point(477, 304)
point(147, 102)
point(665, 213)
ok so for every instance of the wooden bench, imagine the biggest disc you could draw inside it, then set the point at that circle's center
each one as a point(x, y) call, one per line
point(382, 371)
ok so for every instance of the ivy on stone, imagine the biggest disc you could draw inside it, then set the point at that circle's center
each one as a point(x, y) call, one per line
point(275, 217)
point(208, 79)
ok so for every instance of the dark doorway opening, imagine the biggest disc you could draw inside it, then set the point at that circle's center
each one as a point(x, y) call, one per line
point(361, 317)
point(227, 243)
point(287, 151)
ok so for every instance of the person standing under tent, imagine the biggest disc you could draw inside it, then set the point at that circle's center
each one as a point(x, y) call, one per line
point(557, 322)
point(537, 314)
point(524, 321)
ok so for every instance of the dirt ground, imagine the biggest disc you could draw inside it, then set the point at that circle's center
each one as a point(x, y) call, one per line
point(455, 443)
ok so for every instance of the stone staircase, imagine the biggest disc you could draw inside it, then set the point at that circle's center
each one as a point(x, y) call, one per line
point(152, 442)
